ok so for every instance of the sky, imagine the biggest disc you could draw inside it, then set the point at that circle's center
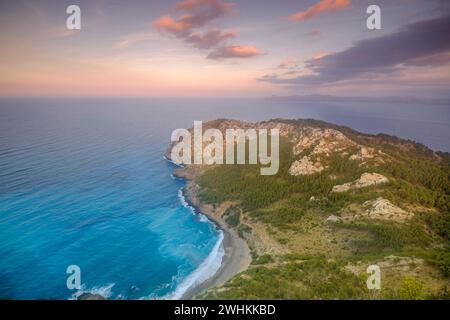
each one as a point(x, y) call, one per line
point(221, 48)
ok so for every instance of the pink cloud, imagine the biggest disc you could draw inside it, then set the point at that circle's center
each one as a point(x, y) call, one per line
point(319, 7)
point(210, 39)
point(198, 14)
point(234, 51)
point(169, 24)
point(286, 63)
point(319, 55)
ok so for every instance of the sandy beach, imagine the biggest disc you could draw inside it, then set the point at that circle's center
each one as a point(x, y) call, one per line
point(237, 253)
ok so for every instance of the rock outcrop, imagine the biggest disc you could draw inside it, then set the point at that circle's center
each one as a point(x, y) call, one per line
point(383, 209)
point(305, 166)
point(366, 180)
point(333, 219)
point(91, 296)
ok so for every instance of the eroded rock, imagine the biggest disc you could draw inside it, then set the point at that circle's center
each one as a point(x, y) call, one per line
point(305, 166)
point(381, 208)
point(366, 180)
point(333, 219)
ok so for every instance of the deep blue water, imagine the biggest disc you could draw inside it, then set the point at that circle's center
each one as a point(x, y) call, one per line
point(84, 182)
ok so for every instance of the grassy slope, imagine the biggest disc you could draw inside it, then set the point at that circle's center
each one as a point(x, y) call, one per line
point(314, 254)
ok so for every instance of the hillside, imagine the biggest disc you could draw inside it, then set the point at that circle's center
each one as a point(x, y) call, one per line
point(341, 201)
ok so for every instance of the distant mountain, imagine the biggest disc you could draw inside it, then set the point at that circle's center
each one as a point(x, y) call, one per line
point(389, 99)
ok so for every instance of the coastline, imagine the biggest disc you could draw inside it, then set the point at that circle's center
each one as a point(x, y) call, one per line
point(236, 257)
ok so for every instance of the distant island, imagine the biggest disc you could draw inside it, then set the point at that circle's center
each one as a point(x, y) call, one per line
point(388, 99)
point(341, 201)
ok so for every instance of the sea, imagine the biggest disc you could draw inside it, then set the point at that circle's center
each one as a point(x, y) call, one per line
point(84, 182)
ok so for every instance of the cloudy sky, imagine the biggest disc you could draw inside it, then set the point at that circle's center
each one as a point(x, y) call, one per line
point(225, 48)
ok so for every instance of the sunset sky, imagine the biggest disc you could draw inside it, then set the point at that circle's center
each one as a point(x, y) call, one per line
point(221, 48)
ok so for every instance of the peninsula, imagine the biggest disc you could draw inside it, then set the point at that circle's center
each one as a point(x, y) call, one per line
point(341, 201)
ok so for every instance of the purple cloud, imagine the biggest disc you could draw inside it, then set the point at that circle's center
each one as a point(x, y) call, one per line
point(234, 52)
point(419, 43)
point(209, 39)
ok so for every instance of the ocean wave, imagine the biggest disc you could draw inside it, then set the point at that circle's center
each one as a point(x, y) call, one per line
point(208, 267)
point(206, 270)
point(202, 217)
point(184, 202)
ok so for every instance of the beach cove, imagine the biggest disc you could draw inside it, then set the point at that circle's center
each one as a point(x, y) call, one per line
point(236, 257)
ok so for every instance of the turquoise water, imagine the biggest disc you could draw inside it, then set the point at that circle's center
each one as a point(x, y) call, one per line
point(90, 187)
point(84, 182)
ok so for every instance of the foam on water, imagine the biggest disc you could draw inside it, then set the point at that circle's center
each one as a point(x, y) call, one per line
point(205, 271)
point(201, 217)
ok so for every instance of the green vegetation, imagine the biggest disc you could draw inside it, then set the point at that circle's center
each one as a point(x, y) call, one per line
point(388, 237)
point(441, 258)
point(254, 191)
point(410, 289)
point(419, 181)
point(231, 216)
point(264, 259)
point(311, 279)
